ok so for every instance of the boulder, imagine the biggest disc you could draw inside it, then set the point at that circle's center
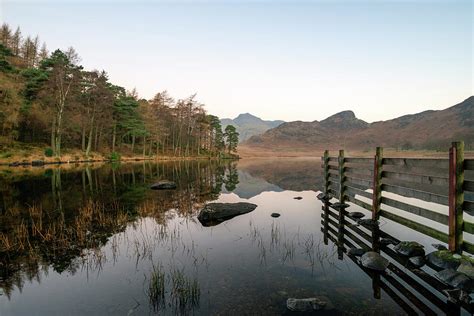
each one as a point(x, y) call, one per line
point(467, 268)
point(443, 259)
point(305, 304)
point(215, 213)
point(374, 261)
point(410, 249)
point(456, 279)
point(163, 185)
point(276, 215)
point(417, 261)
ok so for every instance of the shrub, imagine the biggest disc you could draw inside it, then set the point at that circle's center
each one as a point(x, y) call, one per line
point(114, 156)
point(48, 152)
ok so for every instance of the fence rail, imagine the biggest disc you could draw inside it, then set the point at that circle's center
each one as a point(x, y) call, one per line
point(382, 184)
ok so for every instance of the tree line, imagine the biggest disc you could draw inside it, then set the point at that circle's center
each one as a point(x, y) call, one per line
point(49, 98)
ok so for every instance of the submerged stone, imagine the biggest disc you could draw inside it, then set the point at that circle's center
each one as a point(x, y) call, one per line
point(356, 252)
point(323, 197)
point(298, 198)
point(388, 241)
point(417, 261)
point(356, 215)
point(339, 205)
point(305, 304)
point(370, 223)
point(163, 185)
point(374, 261)
point(215, 213)
point(275, 215)
point(443, 259)
point(410, 249)
point(457, 296)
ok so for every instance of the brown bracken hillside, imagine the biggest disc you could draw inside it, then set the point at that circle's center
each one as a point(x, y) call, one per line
point(432, 130)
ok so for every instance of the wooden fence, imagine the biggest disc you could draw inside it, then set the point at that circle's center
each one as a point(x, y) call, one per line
point(448, 182)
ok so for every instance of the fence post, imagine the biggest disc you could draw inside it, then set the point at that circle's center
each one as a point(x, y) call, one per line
point(456, 196)
point(326, 172)
point(377, 183)
point(341, 177)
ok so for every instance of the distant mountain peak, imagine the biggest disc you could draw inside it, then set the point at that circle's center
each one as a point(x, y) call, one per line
point(249, 125)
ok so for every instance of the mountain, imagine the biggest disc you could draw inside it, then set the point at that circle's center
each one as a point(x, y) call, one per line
point(249, 125)
point(425, 130)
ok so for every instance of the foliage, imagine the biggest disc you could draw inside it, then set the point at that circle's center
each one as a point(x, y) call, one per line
point(48, 152)
point(114, 156)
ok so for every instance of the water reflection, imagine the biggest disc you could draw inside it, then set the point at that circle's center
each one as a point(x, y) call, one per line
point(98, 241)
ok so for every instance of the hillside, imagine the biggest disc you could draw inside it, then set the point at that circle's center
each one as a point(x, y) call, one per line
point(425, 130)
point(249, 125)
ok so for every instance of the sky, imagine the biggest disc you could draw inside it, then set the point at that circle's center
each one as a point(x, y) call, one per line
point(288, 60)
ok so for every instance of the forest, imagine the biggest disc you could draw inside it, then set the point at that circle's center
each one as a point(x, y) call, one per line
point(49, 101)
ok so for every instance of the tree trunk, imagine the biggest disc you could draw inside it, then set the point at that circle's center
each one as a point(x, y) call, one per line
point(113, 138)
point(89, 141)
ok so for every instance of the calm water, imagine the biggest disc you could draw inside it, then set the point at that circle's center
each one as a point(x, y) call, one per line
point(96, 240)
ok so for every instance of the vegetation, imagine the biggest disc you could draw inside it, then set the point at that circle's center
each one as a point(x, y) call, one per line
point(49, 98)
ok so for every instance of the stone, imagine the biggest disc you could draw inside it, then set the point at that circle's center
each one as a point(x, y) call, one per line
point(356, 252)
point(442, 259)
point(340, 206)
point(276, 215)
point(163, 185)
point(323, 197)
point(417, 261)
point(305, 304)
point(215, 213)
point(298, 198)
point(439, 247)
point(410, 249)
point(467, 268)
point(356, 215)
point(371, 223)
point(374, 261)
point(456, 279)
point(37, 163)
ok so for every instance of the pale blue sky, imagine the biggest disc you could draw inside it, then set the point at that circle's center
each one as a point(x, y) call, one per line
point(289, 60)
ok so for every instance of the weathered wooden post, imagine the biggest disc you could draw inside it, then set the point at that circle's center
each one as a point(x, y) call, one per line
point(326, 172)
point(377, 183)
point(456, 196)
point(342, 177)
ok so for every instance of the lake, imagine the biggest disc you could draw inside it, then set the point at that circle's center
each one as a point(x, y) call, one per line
point(95, 240)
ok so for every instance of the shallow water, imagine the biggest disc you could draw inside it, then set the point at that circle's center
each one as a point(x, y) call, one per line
point(91, 241)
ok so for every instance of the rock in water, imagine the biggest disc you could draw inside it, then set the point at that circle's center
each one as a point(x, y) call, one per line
point(374, 261)
point(368, 223)
point(163, 185)
point(275, 215)
point(467, 268)
point(456, 296)
point(356, 215)
point(439, 247)
point(443, 259)
point(356, 252)
point(456, 279)
point(388, 241)
point(305, 304)
point(215, 213)
point(417, 261)
point(410, 249)
point(298, 198)
point(323, 197)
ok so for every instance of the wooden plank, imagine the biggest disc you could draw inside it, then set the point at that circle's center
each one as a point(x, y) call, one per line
point(341, 176)
point(417, 194)
point(333, 159)
point(361, 171)
point(468, 206)
point(332, 167)
point(468, 186)
point(469, 164)
point(416, 178)
point(362, 204)
point(434, 189)
point(468, 227)
point(364, 183)
point(456, 196)
point(415, 226)
point(356, 191)
point(468, 247)
point(364, 161)
point(427, 163)
point(434, 216)
point(326, 171)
